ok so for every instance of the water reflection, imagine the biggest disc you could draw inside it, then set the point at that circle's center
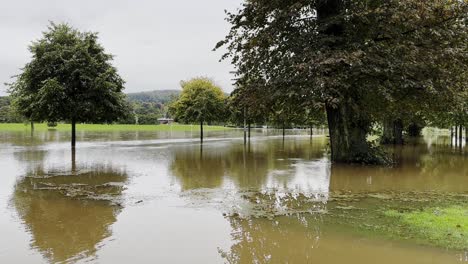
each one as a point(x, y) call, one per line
point(419, 168)
point(309, 239)
point(195, 169)
point(69, 205)
point(68, 210)
point(264, 178)
point(264, 241)
point(261, 165)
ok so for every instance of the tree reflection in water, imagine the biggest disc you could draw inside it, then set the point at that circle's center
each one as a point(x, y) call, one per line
point(264, 241)
point(264, 178)
point(69, 212)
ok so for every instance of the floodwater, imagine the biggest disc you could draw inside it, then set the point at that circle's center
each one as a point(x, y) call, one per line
point(144, 197)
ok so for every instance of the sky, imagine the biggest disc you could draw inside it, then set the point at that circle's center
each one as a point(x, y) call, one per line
point(156, 43)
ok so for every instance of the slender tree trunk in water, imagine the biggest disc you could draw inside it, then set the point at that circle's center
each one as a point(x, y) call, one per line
point(460, 135)
point(283, 131)
point(73, 135)
point(456, 136)
point(249, 130)
point(466, 136)
point(311, 131)
point(32, 126)
point(451, 135)
point(201, 151)
point(201, 131)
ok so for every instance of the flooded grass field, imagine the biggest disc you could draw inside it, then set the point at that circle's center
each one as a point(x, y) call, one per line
point(160, 197)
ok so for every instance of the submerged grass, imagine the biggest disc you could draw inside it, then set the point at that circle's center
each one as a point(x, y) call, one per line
point(445, 227)
point(104, 128)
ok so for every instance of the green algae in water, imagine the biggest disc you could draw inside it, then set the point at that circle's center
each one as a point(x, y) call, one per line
point(445, 227)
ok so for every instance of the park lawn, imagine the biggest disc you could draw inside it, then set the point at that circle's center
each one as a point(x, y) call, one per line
point(446, 227)
point(104, 128)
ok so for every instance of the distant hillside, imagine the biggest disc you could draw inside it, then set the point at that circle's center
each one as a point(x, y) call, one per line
point(158, 96)
point(147, 107)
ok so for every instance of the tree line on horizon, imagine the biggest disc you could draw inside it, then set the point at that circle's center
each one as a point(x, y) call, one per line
point(352, 66)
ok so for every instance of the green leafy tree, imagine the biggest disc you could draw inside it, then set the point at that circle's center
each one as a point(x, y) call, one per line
point(69, 78)
point(356, 58)
point(248, 104)
point(200, 101)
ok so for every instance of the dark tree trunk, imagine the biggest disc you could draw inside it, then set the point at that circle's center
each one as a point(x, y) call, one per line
point(311, 131)
point(398, 132)
point(73, 135)
point(392, 132)
point(284, 131)
point(451, 135)
point(348, 126)
point(460, 135)
point(348, 136)
point(414, 130)
point(32, 126)
point(201, 131)
point(249, 130)
point(466, 136)
point(456, 136)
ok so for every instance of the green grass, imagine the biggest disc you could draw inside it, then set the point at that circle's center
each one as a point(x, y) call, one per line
point(104, 128)
point(445, 227)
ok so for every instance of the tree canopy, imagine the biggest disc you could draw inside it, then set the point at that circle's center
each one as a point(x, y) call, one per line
point(201, 100)
point(69, 78)
point(357, 59)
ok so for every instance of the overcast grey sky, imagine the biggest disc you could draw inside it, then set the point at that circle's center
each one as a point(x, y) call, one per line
point(157, 43)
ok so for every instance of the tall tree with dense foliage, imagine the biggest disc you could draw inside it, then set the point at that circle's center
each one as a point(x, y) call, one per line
point(200, 101)
point(354, 57)
point(69, 78)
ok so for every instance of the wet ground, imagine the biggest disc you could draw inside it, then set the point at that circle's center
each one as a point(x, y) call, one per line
point(145, 197)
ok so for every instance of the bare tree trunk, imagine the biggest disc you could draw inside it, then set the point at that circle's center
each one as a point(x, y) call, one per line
point(466, 136)
point(456, 136)
point(451, 135)
point(284, 131)
point(348, 136)
point(32, 126)
point(414, 130)
point(392, 132)
point(249, 130)
point(201, 131)
point(245, 123)
point(73, 135)
point(460, 135)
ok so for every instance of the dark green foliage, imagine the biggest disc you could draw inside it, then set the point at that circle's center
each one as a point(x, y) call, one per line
point(69, 78)
point(200, 101)
point(7, 113)
point(360, 60)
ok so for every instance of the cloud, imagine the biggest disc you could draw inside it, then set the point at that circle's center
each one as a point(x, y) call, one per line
point(157, 43)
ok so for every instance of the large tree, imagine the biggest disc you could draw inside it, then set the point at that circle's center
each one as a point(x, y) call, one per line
point(200, 101)
point(69, 78)
point(354, 57)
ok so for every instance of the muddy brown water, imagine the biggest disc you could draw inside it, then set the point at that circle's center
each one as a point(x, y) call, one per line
point(145, 197)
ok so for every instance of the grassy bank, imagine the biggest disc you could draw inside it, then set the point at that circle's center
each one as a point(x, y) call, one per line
point(104, 128)
point(445, 227)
